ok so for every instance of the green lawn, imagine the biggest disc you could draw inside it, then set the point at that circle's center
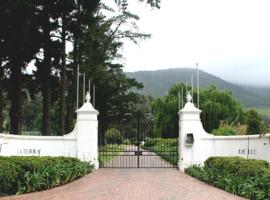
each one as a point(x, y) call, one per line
point(105, 155)
point(165, 148)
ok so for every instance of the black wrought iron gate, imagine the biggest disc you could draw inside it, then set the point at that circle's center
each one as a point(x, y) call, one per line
point(137, 145)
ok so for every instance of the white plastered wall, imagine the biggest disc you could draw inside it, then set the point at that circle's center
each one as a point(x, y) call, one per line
point(81, 143)
point(206, 145)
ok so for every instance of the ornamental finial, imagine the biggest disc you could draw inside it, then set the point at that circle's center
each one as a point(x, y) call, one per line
point(189, 97)
point(87, 97)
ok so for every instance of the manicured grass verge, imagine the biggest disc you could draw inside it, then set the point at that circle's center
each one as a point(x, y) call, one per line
point(20, 175)
point(242, 177)
point(108, 152)
point(165, 148)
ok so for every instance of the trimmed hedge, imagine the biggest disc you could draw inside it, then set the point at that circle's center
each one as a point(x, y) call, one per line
point(113, 136)
point(20, 175)
point(242, 177)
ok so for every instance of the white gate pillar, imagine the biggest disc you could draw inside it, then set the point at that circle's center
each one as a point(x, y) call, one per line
point(87, 133)
point(190, 134)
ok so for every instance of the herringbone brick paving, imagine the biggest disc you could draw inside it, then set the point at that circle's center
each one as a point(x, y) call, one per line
point(132, 184)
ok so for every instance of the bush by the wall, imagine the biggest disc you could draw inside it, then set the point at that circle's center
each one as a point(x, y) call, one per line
point(255, 123)
point(224, 131)
point(113, 136)
point(29, 174)
point(246, 178)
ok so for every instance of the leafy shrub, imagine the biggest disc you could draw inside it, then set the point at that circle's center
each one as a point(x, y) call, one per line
point(254, 123)
point(29, 174)
point(113, 136)
point(150, 142)
point(224, 131)
point(246, 178)
point(126, 141)
point(237, 165)
point(195, 171)
point(238, 128)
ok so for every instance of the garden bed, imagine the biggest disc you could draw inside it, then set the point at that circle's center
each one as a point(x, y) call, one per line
point(242, 177)
point(20, 175)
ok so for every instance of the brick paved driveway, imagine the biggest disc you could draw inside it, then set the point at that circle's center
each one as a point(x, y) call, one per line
point(132, 184)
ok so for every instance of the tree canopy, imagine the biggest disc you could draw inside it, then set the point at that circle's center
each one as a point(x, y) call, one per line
point(38, 32)
point(217, 106)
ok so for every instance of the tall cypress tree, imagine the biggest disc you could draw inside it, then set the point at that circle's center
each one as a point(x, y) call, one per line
point(19, 43)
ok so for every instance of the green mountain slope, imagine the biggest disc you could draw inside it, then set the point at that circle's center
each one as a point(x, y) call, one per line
point(158, 83)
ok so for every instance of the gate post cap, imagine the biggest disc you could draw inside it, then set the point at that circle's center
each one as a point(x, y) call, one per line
point(189, 97)
point(88, 97)
point(87, 107)
point(189, 106)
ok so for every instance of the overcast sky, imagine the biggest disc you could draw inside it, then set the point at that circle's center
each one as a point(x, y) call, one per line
point(229, 38)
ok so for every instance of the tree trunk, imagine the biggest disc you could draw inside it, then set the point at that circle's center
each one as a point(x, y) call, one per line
point(46, 88)
point(63, 78)
point(15, 112)
point(46, 118)
point(70, 109)
point(1, 97)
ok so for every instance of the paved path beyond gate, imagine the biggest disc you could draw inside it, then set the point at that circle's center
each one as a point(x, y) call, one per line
point(147, 159)
point(132, 184)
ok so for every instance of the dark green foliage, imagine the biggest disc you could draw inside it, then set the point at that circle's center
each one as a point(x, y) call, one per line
point(246, 178)
point(8, 177)
point(113, 136)
point(20, 40)
point(237, 165)
point(32, 115)
point(224, 131)
point(164, 148)
point(29, 174)
point(45, 27)
point(216, 106)
point(132, 136)
point(219, 106)
point(254, 122)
